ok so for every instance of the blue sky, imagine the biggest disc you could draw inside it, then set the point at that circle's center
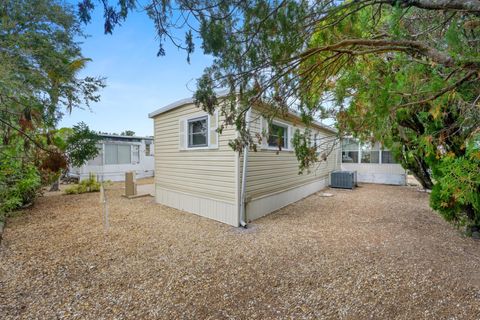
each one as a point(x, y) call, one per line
point(138, 82)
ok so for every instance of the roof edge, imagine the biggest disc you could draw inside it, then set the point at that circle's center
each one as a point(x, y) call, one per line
point(106, 135)
point(182, 102)
point(170, 106)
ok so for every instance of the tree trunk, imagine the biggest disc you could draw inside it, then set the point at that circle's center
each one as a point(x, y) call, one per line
point(56, 185)
point(420, 172)
point(470, 212)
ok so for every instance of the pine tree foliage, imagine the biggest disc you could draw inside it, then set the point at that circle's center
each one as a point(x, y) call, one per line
point(404, 73)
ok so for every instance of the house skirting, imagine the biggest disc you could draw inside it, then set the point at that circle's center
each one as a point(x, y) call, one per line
point(228, 212)
point(383, 178)
point(261, 206)
point(209, 208)
point(116, 176)
point(385, 173)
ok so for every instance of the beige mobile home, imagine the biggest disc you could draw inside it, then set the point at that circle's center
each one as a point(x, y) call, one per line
point(197, 171)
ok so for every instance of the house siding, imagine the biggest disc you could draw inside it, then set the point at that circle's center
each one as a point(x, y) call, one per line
point(202, 181)
point(207, 181)
point(270, 171)
point(273, 179)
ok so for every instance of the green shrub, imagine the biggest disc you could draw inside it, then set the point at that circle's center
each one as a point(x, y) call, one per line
point(456, 195)
point(89, 185)
point(19, 182)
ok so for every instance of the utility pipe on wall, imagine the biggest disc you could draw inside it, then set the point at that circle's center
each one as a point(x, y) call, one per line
point(243, 223)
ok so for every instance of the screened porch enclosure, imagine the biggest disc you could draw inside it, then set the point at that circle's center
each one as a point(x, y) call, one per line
point(117, 155)
point(354, 151)
point(373, 163)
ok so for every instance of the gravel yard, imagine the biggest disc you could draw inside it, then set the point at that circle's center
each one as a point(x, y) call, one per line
point(376, 252)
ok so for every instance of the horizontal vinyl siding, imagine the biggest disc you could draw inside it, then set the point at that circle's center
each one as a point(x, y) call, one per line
point(207, 173)
point(270, 171)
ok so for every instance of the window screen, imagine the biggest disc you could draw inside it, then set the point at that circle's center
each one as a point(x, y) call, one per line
point(197, 132)
point(350, 151)
point(117, 154)
point(387, 157)
point(111, 156)
point(278, 136)
point(124, 154)
point(370, 153)
point(135, 154)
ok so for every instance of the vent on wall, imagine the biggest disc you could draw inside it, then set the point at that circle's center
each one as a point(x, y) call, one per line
point(343, 179)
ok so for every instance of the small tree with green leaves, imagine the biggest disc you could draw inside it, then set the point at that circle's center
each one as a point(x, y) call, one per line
point(79, 144)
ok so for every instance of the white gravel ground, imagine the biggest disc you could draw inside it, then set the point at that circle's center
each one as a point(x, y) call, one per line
point(377, 252)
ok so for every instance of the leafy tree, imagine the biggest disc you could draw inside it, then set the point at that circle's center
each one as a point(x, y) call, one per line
point(78, 144)
point(424, 111)
point(456, 195)
point(289, 53)
point(129, 133)
point(405, 73)
point(39, 82)
point(81, 145)
point(40, 62)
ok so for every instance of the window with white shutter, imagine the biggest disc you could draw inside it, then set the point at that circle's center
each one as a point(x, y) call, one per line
point(182, 134)
point(213, 130)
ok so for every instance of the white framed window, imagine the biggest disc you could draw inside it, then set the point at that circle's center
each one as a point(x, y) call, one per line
point(355, 152)
point(197, 132)
point(278, 136)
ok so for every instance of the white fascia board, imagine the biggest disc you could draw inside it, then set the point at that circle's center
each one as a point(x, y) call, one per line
point(183, 102)
point(180, 103)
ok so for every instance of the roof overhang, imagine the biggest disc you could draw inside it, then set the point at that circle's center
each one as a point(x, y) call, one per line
point(171, 106)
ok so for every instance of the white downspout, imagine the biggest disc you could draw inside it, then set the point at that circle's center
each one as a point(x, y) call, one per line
point(243, 223)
